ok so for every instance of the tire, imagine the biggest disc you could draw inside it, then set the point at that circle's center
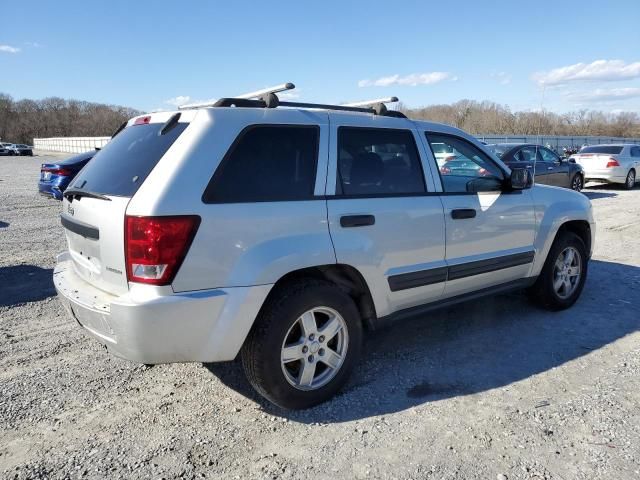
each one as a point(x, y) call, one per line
point(544, 292)
point(577, 182)
point(630, 181)
point(280, 323)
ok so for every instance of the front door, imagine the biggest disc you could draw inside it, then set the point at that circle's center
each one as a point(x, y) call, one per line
point(383, 217)
point(489, 232)
point(557, 170)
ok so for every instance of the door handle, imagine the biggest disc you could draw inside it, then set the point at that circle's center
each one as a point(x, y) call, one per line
point(549, 168)
point(460, 213)
point(348, 221)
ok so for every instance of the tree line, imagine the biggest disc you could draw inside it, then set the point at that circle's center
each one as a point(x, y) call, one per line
point(492, 118)
point(23, 120)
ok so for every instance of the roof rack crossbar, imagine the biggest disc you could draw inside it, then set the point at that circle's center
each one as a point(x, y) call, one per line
point(246, 96)
point(371, 103)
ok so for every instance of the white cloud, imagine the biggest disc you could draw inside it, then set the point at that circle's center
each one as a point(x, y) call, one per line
point(33, 44)
point(9, 49)
point(412, 80)
point(603, 70)
point(178, 101)
point(605, 95)
point(503, 77)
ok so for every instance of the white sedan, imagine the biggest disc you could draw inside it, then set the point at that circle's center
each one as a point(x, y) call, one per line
point(615, 163)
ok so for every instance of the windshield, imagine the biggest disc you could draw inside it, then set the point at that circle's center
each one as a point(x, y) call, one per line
point(125, 162)
point(607, 149)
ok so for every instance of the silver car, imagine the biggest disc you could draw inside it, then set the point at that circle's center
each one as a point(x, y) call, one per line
point(615, 163)
point(283, 234)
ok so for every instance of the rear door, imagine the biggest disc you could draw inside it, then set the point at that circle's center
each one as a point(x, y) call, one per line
point(489, 232)
point(384, 217)
point(94, 216)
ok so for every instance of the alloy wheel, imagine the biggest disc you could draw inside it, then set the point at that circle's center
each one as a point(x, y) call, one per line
point(566, 272)
point(314, 349)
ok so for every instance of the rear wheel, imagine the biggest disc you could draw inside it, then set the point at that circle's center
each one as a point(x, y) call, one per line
point(630, 182)
point(565, 270)
point(577, 183)
point(304, 344)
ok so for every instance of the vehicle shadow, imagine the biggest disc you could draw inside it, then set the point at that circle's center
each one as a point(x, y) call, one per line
point(470, 348)
point(599, 190)
point(25, 283)
point(3, 224)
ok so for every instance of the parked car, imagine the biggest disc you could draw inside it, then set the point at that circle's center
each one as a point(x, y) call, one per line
point(21, 149)
point(282, 234)
point(5, 150)
point(616, 163)
point(55, 177)
point(548, 167)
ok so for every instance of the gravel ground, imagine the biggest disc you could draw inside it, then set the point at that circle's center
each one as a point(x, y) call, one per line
point(490, 389)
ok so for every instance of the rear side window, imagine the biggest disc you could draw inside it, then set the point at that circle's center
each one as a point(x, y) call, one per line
point(609, 150)
point(635, 151)
point(125, 162)
point(267, 163)
point(378, 161)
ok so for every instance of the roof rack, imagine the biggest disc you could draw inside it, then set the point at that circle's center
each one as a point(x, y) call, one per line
point(267, 98)
point(257, 94)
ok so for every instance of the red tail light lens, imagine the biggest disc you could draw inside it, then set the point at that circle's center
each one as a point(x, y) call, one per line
point(57, 171)
point(156, 246)
point(612, 162)
point(142, 120)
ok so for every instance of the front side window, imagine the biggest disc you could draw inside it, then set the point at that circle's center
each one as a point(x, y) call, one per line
point(378, 161)
point(267, 163)
point(466, 169)
point(548, 155)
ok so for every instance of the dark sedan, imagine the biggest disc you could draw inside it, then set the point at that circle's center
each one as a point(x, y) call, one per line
point(55, 177)
point(22, 149)
point(548, 167)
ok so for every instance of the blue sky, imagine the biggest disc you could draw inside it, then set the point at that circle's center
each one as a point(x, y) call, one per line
point(565, 55)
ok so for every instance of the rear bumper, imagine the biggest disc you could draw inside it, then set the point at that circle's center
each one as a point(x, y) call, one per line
point(145, 326)
point(610, 175)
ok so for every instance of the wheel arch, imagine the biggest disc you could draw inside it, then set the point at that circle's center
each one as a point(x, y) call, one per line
point(346, 277)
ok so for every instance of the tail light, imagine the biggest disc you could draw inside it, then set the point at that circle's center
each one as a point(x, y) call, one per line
point(156, 246)
point(483, 172)
point(612, 162)
point(449, 158)
point(57, 171)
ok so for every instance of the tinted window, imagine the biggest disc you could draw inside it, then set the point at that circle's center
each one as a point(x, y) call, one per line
point(267, 163)
point(378, 161)
point(468, 169)
point(527, 154)
point(125, 162)
point(548, 155)
point(611, 150)
point(635, 151)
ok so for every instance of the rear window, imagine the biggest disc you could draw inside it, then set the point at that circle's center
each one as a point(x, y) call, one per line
point(607, 149)
point(125, 162)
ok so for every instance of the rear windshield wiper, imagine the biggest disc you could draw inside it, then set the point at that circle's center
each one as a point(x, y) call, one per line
point(76, 192)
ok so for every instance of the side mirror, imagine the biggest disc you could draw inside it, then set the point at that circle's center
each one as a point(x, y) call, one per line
point(521, 178)
point(572, 160)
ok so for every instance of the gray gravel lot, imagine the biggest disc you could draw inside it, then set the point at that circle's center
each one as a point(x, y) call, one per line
point(491, 389)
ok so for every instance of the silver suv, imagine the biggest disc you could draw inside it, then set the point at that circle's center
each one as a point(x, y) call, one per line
point(283, 231)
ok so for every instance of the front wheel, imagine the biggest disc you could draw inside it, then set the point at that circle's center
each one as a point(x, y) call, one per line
point(630, 182)
point(563, 275)
point(304, 344)
point(577, 183)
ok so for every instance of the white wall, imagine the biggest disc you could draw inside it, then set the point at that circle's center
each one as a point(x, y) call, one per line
point(70, 144)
